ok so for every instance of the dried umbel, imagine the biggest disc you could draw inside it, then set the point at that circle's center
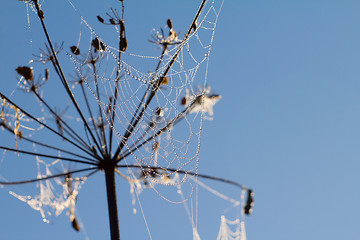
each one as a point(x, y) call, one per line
point(26, 72)
point(115, 124)
point(201, 101)
point(160, 39)
point(115, 20)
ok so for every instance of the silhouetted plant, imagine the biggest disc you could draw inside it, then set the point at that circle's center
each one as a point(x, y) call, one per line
point(122, 120)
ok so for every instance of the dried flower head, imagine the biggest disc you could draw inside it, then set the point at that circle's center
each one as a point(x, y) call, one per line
point(202, 101)
point(47, 55)
point(160, 39)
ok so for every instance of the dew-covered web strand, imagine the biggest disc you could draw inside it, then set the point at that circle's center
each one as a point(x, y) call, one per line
point(171, 123)
point(156, 86)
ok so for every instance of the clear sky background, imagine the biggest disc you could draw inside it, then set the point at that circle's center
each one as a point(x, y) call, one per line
point(288, 123)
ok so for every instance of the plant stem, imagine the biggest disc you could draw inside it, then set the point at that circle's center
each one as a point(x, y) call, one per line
point(112, 205)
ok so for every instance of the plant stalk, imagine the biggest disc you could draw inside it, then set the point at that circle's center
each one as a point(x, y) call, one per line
point(112, 204)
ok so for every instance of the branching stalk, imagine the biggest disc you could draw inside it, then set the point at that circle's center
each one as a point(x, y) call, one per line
point(47, 155)
point(43, 124)
point(49, 177)
point(62, 78)
point(157, 84)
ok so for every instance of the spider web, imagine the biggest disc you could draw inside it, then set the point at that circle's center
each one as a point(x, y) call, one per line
point(178, 146)
point(112, 89)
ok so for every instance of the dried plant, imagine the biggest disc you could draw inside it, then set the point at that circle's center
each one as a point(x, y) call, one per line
point(145, 127)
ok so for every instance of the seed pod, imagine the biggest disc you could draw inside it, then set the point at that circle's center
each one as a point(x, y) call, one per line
point(164, 81)
point(75, 225)
point(100, 19)
point(75, 50)
point(152, 172)
point(248, 208)
point(41, 14)
point(98, 45)
point(20, 134)
point(123, 44)
point(183, 101)
point(169, 23)
point(155, 146)
point(159, 112)
point(46, 74)
point(194, 26)
point(26, 72)
point(112, 21)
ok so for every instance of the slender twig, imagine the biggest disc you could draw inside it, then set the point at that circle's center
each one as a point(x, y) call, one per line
point(224, 180)
point(78, 138)
point(101, 128)
point(89, 110)
point(50, 177)
point(47, 156)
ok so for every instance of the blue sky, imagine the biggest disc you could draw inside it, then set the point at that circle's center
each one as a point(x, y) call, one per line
point(287, 124)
